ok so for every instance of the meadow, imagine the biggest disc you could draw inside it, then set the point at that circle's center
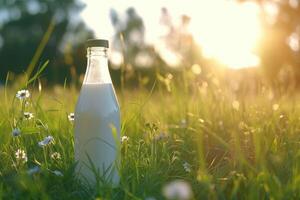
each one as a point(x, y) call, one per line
point(194, 140)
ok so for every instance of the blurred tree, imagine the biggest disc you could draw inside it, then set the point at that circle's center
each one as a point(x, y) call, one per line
point(279, 47)
point(140, 60)
point(22, 26)
point(130, 39)
point(179, 40)
point(131, 32)
point(180, 50)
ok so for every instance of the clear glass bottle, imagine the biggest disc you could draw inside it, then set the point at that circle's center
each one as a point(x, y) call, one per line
point(97, 120)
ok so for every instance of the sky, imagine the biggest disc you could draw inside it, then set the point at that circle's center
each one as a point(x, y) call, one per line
point(226, 30)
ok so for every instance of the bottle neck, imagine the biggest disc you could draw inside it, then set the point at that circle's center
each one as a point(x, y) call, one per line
point(97, 66)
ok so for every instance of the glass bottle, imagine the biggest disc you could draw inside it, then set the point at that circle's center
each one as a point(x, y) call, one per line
point(97, 120)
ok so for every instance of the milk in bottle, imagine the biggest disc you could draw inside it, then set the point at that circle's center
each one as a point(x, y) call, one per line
point(97, 120)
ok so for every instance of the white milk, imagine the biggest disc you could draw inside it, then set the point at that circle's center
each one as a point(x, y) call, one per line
point(96, 113)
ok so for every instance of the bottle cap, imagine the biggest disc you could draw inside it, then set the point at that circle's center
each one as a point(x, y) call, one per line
point(97, 43)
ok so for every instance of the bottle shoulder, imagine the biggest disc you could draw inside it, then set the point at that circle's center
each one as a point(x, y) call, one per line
point(97, 98)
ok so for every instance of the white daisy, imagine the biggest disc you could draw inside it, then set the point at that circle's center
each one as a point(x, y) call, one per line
point(178, 189)
point(16, 132)
point(23, 94)
point(187, 167)
point(57, 173)
point(21, 156)
point(281, 116)
point(47, 140)
point(124, 139)
point(71, 117)
point(55, 156)
point(201, 120)
point(28, 115)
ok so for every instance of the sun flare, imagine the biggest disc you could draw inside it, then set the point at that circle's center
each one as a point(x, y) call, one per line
point(228, 32)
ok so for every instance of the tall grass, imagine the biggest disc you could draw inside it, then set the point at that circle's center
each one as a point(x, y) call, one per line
point(223, 145)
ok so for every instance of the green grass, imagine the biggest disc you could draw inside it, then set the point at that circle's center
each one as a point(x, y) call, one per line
point(244, 151)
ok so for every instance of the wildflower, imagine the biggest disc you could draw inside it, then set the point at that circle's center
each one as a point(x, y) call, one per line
point(22, 94)
point(187, 167)
point(178, 189)
point(275, 107)
point(183, 123)
point(28, 115)
point(55, 156)
point(71, 117)
point(236, 105)
point(160, 136)
point(281, 116)
point(169, 76)
point(201, 120)
point(16, 132)
point(124, 139)
point(33, 170)
point(57, 173)
point(21, 156)
point(196, 69)
point(47, 140)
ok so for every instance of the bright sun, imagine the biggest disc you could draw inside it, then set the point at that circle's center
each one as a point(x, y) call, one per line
point(228, 32)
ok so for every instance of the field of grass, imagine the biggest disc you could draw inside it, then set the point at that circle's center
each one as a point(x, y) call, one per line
point(195, 140)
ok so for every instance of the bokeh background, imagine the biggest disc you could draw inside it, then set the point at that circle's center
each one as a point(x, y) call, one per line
point(244, 44)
